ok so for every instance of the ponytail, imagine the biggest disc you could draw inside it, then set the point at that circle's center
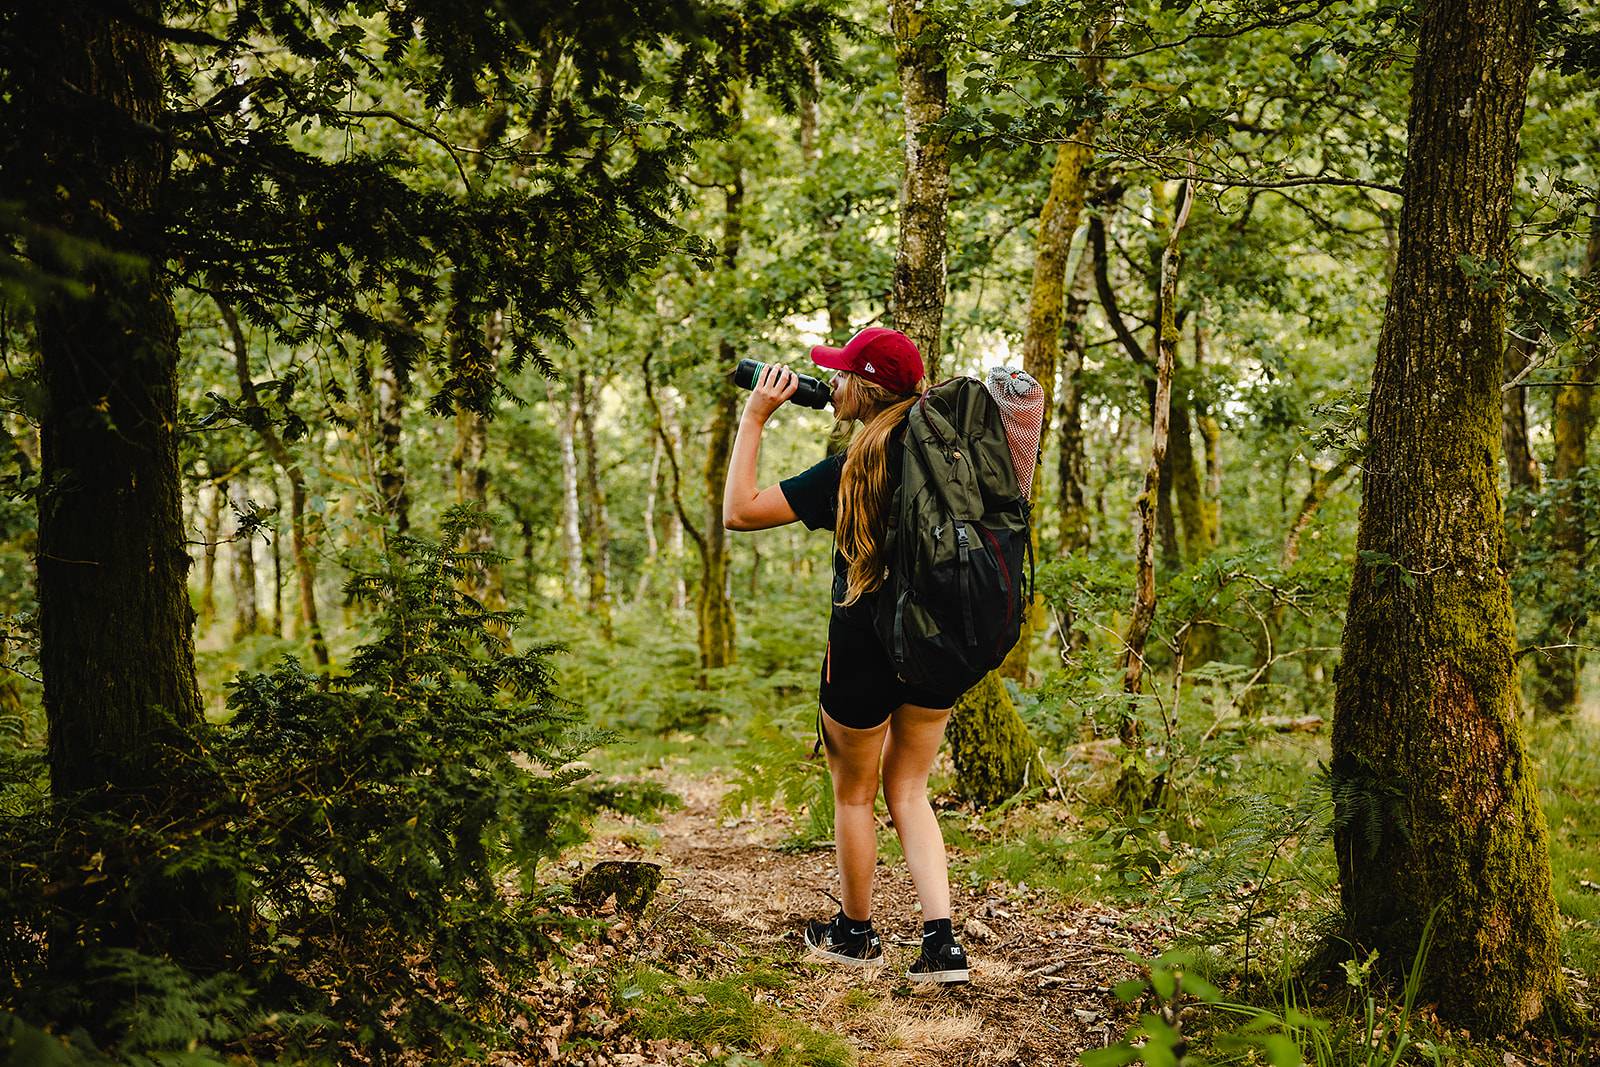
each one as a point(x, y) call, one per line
point(864, 491)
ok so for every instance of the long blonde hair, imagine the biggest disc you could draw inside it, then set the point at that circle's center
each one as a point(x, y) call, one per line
point(864, 485)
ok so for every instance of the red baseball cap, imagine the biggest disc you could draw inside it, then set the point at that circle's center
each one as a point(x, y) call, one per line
point(879, 354)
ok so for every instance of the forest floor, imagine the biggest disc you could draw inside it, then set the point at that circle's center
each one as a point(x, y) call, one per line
point(716, 970)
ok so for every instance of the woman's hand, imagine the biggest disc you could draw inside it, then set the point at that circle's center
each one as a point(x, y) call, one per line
point(773, 387)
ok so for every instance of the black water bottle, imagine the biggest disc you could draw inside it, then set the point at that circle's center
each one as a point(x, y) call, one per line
point(812, 393)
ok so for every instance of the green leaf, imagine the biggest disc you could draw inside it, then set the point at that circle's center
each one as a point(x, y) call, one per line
point(1164, 982)
point(1111, 1056)
point(1129, 991)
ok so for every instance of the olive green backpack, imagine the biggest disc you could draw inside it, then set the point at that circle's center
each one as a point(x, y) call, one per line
point(958, 531)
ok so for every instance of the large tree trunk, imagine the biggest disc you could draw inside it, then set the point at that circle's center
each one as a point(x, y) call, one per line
point(1437, 814)
point(114, 615)
point(115, 623)
point(299, 537)
point(919, 265)
point(1555, 687)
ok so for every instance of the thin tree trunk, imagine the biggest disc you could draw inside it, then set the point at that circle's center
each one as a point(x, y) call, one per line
point(684, 522)
point(277, 565)
point(571, 535)
point(828, 221)
point(246, 610)
point(652, 543)
point(1556, 681)
point(671, 435)
point(1437, 816)
point(716, 603)
point(1136, 788)
point(1266, 650)
point(597, 538)
point(392, 491)
point(919, 266)
point(1166, 528)
point(210, 533)
point(299, 539)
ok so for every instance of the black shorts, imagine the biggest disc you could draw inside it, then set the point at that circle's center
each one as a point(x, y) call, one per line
point(859, 685)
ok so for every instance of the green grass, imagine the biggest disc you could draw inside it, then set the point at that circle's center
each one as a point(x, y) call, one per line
point(1569, 786)
point(733, 1012)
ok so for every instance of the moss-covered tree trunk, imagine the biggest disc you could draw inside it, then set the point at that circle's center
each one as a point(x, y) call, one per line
point(919, 264)
point(1072, 462)
point(989, 746)
point(1437, 814)
point(1041, 341)
point(1556, 667)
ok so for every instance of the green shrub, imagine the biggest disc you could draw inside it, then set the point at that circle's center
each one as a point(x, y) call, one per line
point(376, 837)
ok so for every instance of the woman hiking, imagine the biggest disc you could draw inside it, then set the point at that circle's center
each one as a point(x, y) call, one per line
point(873, 724)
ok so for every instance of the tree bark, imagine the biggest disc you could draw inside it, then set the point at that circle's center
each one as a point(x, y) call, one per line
point(919, 265)
point(1555, 688)
point(1437, 814)
point(299, 539)
point(115, 624)
point(116, 638)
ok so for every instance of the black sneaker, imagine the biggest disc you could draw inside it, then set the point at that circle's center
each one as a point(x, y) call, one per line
point(845, 941)
point(942, 960)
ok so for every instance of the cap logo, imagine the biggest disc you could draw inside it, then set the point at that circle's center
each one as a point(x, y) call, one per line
point(869, 368)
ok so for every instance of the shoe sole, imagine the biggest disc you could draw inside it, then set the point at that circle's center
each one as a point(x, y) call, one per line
point(950, 977)
point(839, 957)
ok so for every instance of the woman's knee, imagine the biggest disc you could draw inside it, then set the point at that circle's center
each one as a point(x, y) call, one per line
point(902, 800)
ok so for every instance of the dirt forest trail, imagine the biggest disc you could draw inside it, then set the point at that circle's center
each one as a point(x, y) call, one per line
point(731, 900)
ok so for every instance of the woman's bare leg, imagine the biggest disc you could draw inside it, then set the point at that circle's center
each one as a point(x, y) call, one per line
point(853, 757)
point(914, 736)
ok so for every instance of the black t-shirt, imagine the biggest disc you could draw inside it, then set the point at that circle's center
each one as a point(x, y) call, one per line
point(814, 496)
